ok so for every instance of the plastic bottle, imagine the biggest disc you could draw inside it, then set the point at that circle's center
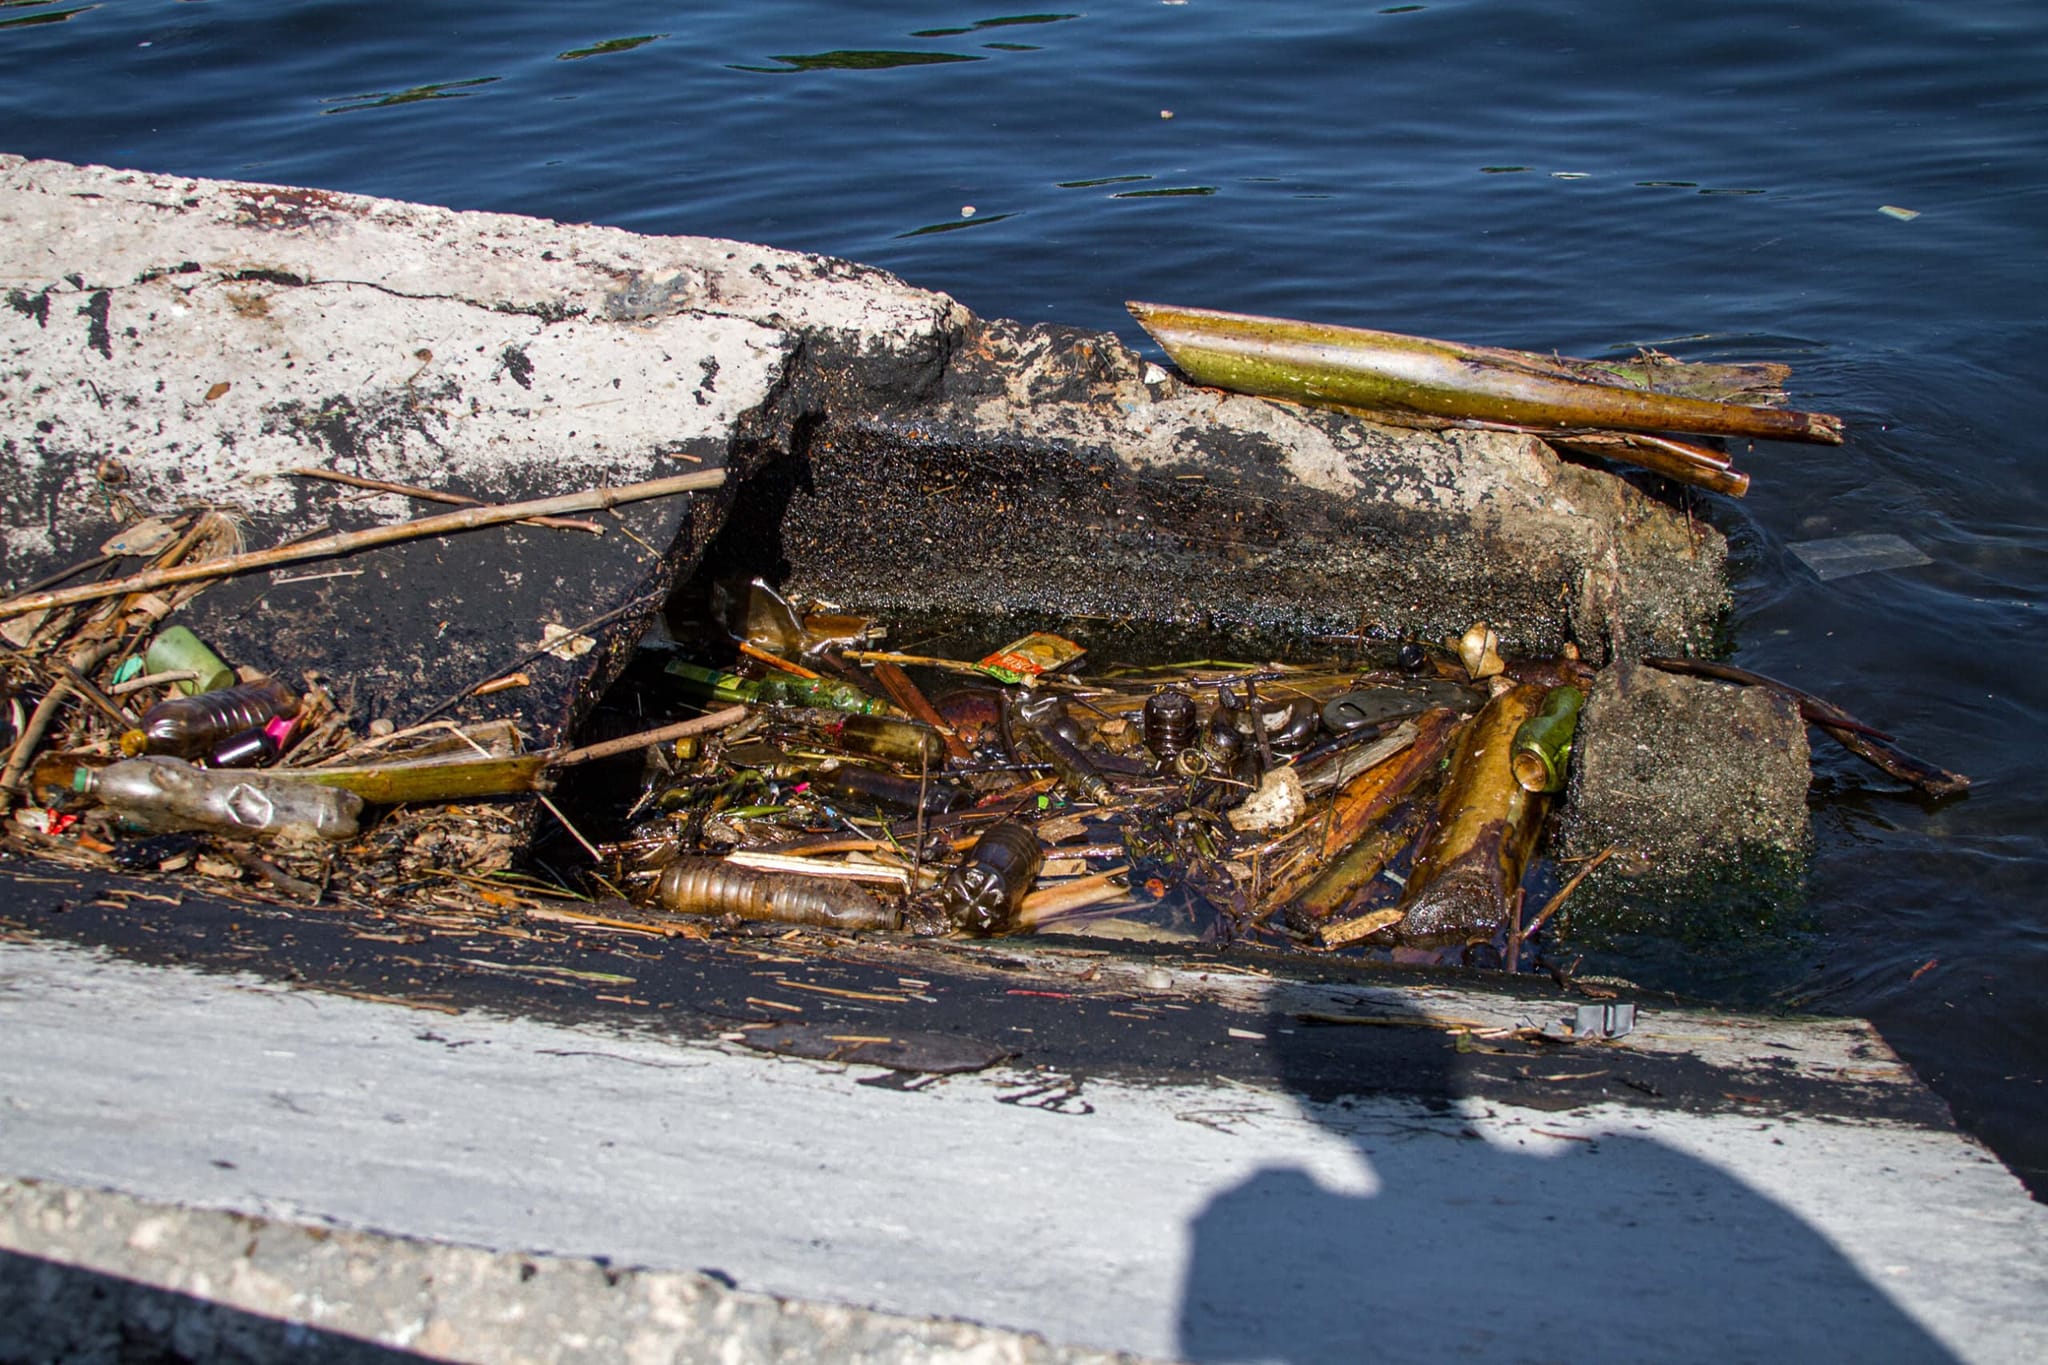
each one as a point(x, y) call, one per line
point(982, 894)
point(188, 726)
point(251, 748)
point(1034, 722)
point(158, 794)
point(713, 886)
point(777, 689)
point(1169, 723)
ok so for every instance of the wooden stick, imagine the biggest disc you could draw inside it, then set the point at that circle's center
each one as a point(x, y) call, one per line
point(698, 725)
point(905, 694)
point(468, 519)
point(406, 490)
point(874, 656)
point(1555, 903)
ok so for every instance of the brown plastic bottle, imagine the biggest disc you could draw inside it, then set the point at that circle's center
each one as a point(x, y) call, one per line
point(186, 727)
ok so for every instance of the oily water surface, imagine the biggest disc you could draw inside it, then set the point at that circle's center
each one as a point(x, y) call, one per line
point(1860, 190)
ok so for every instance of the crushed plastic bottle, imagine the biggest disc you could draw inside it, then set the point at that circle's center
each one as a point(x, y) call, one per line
point(158, 794)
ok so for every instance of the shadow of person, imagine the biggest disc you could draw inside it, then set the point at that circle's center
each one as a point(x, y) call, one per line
point(1463, 1246)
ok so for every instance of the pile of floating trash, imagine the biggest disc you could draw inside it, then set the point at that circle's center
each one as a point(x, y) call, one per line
point(1391, 801)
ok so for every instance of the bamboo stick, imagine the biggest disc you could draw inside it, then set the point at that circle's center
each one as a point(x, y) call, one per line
point(406, 490)
point(682, 729)
point(468, 519)
point(1319, 363)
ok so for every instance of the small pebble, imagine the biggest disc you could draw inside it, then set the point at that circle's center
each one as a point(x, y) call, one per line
point(381, 727)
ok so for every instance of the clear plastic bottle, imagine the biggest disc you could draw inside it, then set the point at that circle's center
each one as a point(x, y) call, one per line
point(159, 793)
point(185, 727)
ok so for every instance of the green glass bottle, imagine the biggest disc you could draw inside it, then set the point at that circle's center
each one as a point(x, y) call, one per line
point(777, 689)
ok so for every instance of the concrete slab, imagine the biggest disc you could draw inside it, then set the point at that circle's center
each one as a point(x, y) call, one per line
point(1203, 1221)
point(169, 342)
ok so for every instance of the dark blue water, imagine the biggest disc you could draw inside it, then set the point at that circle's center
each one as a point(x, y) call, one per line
point(1540, 173)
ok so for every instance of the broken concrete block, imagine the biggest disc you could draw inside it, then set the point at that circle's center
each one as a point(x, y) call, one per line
point(170, 342)
point(1706, 779)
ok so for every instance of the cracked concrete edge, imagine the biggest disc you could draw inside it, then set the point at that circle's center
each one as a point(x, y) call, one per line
point(501, 261)
point(89, 1274)
point(243, 329)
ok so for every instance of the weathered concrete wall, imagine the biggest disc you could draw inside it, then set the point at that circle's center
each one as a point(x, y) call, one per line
point(1637, 784)
point(1056, 473)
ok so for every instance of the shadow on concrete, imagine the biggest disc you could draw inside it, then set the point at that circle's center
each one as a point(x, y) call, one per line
point(1456, 1247)
point(52, 1312)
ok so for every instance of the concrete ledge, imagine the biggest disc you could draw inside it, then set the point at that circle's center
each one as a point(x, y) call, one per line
point(89, 1275)
point(1293, 1215)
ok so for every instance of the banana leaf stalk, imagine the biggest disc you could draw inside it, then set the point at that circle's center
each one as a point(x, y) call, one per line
point(436, 779)
point(1353, 367)
point(1340, 882)
point(1486, 825)
point(1365, 800)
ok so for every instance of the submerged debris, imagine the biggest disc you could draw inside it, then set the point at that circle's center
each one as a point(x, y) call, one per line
point(776, 768)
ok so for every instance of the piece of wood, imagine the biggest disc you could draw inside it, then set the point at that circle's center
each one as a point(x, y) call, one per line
point(682, 729)
point(1678, 460)
point(907, 695)
point(468, 519)
point(1354, 367)
point(1341, 880)
point(1467, 870)
point(406, 490)
point(1367, 798)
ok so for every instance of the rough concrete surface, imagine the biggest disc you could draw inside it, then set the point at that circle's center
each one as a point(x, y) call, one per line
point(168, 342)
point(1635, 785)
point(1203, 1221)
point(1056, 473)
point(90, 1276)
